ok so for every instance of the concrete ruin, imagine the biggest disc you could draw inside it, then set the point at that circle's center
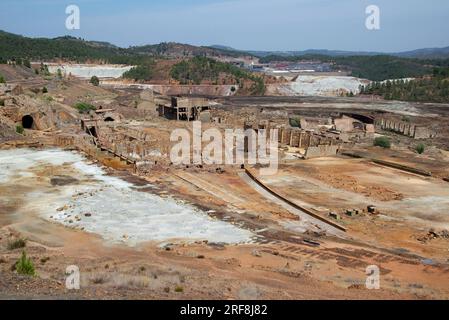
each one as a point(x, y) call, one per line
point(185, 109)
point(311, 144)
point(345, 127)
point(350, 124)
point(405, 128)
point(306, 142)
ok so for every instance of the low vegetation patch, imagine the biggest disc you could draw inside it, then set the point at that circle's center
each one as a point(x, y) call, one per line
point(99, 278)
point(420, 148)
point(25, 266)
point(48, 98)
point(383, 142)
point(84, 107)
point(179, 289)
point(19, 129)
point(295, 122)
point(16, 244)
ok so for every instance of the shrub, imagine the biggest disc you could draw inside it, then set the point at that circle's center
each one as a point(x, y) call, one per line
point(16, 244)
point(295, 122)
point(48, 98)
point(99, 278)
point(45, 260)
point(179, 289)
point(2, 79)
point(420, 148)
point(128, 281)
point(44, 90)
point(19, 129)
point(383, 142)
point(25, 266)
point(95, 81)
point(84, 107)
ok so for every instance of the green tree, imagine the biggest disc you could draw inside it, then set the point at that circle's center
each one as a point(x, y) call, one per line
point(44, 69)
point(95, 81)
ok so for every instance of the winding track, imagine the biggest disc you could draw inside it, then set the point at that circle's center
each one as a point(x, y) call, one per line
point(312, 223)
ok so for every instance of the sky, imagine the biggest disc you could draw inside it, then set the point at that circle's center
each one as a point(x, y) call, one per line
point(276, 25)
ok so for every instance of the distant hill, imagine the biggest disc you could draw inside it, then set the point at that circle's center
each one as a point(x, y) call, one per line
point(18, 47)
point(324, 52)
point(429, 53)
point(14, 46)
point(67, 47)
point(180, 50)
point(370, 65)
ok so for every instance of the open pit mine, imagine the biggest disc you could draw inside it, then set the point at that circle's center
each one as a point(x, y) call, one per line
point(87, 180)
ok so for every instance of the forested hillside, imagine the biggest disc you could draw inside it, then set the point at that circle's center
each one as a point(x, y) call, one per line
point(376, 68)
point(200, 69)
point(427, 89)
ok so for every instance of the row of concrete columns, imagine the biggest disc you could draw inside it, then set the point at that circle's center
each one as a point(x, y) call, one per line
point(400, 127)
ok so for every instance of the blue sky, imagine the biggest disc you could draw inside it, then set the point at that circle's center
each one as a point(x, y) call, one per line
point(243, 24)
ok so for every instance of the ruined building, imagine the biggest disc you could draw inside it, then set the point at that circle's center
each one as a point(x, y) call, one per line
point(185, 109)
point(405, 128)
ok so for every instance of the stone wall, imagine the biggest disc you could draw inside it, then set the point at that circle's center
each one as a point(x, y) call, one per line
point(321, 151)
point(133, 144)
